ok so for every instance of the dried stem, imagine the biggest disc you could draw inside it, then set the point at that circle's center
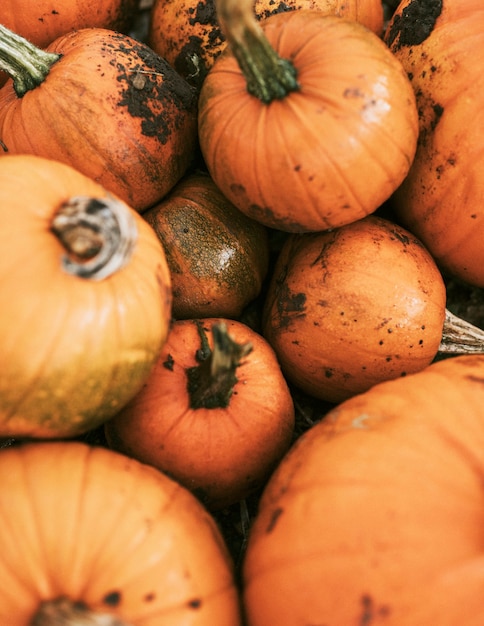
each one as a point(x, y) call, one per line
point(65, 612)
point(460, 337)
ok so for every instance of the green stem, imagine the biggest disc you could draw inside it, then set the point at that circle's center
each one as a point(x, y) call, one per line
point(26, 64)
point(268, 76)
point(211, 383)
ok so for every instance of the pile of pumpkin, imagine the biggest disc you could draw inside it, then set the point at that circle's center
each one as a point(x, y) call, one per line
point(257, 201)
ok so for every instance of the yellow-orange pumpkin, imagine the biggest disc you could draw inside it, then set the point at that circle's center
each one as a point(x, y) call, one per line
point(88, 536)
point(310, 123)
point(375, 516)
point(85, 300)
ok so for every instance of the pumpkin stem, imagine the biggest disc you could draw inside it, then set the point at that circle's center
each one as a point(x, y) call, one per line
point(211, 383)
point(98, 235)
point(65, 612)
point(460, 337)
point(268, 76)
point(26, 64)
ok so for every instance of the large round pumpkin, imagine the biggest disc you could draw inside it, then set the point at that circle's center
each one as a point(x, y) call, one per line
point(376, 514)
point(310, 123)
point(85, 300)
point(88, 536)
point(187, 33)
point(441, 47)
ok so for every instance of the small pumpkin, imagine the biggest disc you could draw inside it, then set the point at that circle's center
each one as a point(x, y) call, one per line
point(218, 257)
point(188, 35)
point(104, 103)
point(88, 536)
point(349, 308)
point(310, 123)
point(43, 21)
point(216, 413)
point(375, 515)
point(85, 297)
point(441, 47)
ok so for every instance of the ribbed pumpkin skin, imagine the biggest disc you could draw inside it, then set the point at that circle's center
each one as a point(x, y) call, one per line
point(376, 515)
point(43, 21)
point(314, 159)
point(187, 33)
point(218, 257)
point(222, 453)
point(349, 308)
point(73, 350)
point(98, 528)
point(111, 108)
point(441, 199)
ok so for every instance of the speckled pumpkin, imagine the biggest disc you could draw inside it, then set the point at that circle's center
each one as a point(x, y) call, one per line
point(187, 32)
point(352, 307)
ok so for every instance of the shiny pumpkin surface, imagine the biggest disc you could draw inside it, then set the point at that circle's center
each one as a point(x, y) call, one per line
point(352, 307)
point(187, 33)
point(218, 257)
point(110, 534)
point(73, 350)
point(222, 453)
point(111, 108)
point(376, 514)
point(441, 199)
point(44, 20)
point(313, 159)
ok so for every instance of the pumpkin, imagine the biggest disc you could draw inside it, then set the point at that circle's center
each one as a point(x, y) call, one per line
point(188, 35)
point(85, 298)
point(104, 103)
point(218, 257)
point(348, 308)
point(46, 20)
point(88, 536)
point(216, 413)
point(441, 46)
point(310, 123)
point(375, 515)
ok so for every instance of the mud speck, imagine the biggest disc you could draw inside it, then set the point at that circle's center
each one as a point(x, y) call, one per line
point(414, 24)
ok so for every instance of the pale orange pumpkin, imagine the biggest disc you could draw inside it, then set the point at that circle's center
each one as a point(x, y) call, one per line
point(88, 536)
point(375, 516)
point(216, 413)
point(85, 299)
point(310, 123)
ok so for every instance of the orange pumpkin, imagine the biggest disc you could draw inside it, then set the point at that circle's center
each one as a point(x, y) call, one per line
point(105, 104)
point(85, 299)
point(218, 257)
point(354, 306)
point(45, 20)
point(375, 516)
point(441, 47)
point(188, 35)
point(88, 536)
point(216, 413)
point(310, 123)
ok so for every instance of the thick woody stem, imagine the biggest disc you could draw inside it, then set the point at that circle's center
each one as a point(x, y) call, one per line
point(460, 337)
point(98, 234)
point(268, 76)
point(65, 612)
